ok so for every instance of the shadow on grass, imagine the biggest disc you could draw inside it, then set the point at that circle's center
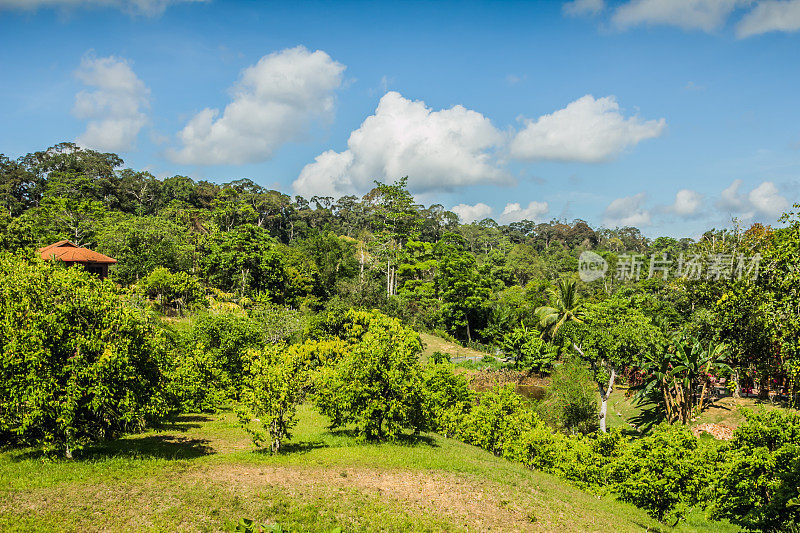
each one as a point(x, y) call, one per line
point(149, 447)
point(182, 423)
point(294, 448)
point(404, 439)
point(650, 415)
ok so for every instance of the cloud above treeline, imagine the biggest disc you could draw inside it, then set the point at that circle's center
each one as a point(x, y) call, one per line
point(287, 95)
point(275, 101)
point(437, 150)
point(115, 107)
point(756, 17)
point(449, 148)
point(763, 202)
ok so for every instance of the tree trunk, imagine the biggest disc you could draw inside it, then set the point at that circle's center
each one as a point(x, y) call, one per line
point(604, 394)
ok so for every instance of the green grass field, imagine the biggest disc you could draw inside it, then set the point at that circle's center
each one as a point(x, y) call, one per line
point(202, 474)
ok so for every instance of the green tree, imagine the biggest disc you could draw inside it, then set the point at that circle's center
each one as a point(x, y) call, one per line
point(276, 380)
point(565, 307)
point(677, 374)
point(377, 384)
point(460, 287)
point(177, 291)
point(614, 336)
point(78, 363)
point(244, 260)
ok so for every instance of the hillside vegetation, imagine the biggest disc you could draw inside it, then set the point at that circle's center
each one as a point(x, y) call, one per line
point(200, 474)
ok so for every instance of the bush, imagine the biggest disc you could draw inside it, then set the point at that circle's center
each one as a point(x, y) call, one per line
point(275, 382)
point(759, 479)
point(571, 401)
point(196, 381)
point(206, 364)
point(529, 351)
point(663, 472)
point(78, 364)
point(448, 396)
point(377, 384)
point(177, 291)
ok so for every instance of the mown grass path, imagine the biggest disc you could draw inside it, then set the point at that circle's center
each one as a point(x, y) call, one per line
point(202, 474)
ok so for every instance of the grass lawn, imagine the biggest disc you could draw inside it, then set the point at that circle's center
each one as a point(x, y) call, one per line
point(457, 352)
point(202, 474)
point(726, 411)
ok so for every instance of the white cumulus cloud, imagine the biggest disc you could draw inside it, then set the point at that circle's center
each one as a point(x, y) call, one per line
point(275, 101)
point(628, 211)
point(770, 15)
point(588, 130)
point(514, 212)
point(470, 213)
point(763, 201)
point(704, 15)
point(114, 108)
point(767, 201)
point(687, 203)
point(437, 150)
point(579, 8)
point(148, 8)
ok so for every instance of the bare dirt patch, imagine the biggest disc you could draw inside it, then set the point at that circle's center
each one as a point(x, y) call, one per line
point(471, 503)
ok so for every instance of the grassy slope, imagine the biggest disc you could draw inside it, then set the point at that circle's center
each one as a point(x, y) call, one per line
point(725, 411)
point(433, 343)
point(201, 474)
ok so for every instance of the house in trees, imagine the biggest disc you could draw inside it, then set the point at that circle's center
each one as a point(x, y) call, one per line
point(91, 261)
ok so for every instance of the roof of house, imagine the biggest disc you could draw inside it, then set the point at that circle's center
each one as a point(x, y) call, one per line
point(66, 251)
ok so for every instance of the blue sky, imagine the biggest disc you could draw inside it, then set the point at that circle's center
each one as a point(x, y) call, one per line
point(671, 115)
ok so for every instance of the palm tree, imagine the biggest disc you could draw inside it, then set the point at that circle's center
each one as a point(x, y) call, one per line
point(565, 307)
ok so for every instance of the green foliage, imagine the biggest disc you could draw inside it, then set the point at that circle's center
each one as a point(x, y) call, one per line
point(758, 482)
point(377, 384)
point(196, 380)
point(565, 307)
point(460, 287)
point(207, 362)
point(176, 291)
point(142, 244)
point(448, 396)
point(78, 363)
point(679, 377)
point(528, 350)
point(663, 472)
point(571, 401)
point(274, 383)
point(244, 260)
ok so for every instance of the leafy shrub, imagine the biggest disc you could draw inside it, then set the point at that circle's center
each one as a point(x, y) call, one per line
point(377, 384)
point(206, 364)
point(759, 478)
point(274, 383)
point(571, 401)
point(278, 324)
point(528, 350)
point(226, 337)
point(196, 381)
point(663, 472)
point(78, 363)
point(448, 396)
point(177, 291)
point(499, 416)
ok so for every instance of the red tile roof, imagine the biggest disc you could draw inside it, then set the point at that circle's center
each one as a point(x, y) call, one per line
point(68, 252)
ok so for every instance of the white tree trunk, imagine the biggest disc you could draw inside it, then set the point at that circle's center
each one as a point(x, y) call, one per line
point(604, 394)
